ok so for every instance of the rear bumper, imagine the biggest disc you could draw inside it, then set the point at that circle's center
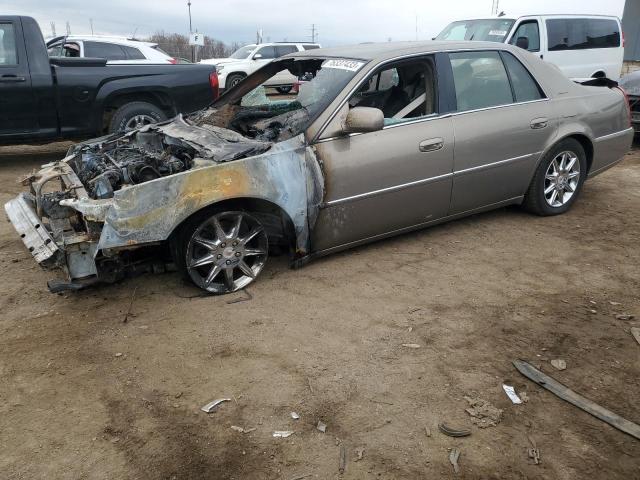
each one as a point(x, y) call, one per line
point(22, 215)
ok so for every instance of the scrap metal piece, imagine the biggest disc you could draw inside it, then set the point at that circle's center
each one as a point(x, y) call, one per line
point(533, 452)
point(511, 393)
point(635, 331)
point(454, 455)
point(576, 399)
point(213, 406)
point(453, 432)
point(282, 433)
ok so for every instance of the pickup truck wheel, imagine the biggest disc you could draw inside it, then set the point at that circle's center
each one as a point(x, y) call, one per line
point(558, 179)
point(284, 90)
point(131, 116)
point(234, 79)
point(222, 252)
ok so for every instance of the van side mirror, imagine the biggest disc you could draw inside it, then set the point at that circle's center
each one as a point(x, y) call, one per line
point(523, 42)
point(257, 56)
point(362, 120)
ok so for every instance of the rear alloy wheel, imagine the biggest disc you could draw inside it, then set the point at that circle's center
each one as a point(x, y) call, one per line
point(558, 179)
point(226, 252)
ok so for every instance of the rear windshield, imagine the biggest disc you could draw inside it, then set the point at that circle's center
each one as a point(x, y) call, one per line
point(582, 33)
point(489, 30)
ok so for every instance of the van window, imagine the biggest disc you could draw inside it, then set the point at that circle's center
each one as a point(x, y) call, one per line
point(110, 51)
point(530, 31)
point(285, 50)
point(480, 80)
point(525, 88)
point(8, 52)
point(582, 33)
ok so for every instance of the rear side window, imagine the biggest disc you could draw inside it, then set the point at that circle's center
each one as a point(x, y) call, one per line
point(133, 53)
point(525, 88)
point(285, 50)
point(582, 33)
point(310, 47)
point(110, 51)
point(8, 52)
point(480, 80)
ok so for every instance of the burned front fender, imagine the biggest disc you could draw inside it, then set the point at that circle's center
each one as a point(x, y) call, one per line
point(287, 175)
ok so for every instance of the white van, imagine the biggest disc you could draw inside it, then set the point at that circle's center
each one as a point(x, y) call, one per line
point(582, 46)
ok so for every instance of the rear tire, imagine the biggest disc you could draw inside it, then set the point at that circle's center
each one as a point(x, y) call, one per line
point(558, 179)
point(133, 115)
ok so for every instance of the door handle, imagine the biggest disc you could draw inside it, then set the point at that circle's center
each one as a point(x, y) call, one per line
point(537, 123)
point(12, 78)
point(431, 145)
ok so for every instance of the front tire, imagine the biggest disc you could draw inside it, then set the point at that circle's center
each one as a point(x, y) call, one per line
point(222, 252)
point(234, 79)
point(134, 115)
point(558, 179)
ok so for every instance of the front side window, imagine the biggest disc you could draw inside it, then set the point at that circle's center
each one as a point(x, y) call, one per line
point(282, 50)
point(525, 87)
point(267, 53)
point(110, 51)
point(582, 33)
point(8, 52)
point(480, 80)
point(530, 31)
point(404, 91)
point(489, 30)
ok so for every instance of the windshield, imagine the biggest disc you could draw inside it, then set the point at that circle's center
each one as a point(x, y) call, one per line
point(243, 52)
point(265, 113)
point(489, 30)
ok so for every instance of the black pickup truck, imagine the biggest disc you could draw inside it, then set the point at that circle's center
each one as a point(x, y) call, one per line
point(44, 99)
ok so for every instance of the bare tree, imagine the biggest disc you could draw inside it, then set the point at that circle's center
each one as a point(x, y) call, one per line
point(177, 46)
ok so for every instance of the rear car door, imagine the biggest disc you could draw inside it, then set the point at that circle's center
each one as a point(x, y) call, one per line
point(17, 108)
point(381, 182)
point(502, 123)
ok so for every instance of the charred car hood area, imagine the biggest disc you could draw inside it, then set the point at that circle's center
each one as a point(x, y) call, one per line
point(91, 212)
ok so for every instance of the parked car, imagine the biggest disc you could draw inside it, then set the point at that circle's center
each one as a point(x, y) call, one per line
point(384, 139)
point(631, 84)
point(250, 58)
point(582, 46)
point(46, 99)
point(115, 49)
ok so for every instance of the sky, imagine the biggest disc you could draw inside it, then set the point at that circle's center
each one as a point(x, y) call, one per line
point(338, 22)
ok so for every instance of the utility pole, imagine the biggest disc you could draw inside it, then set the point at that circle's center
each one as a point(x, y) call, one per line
point(53, 29)
point(416, 27)
point(314, 33)
point(193, 55)
point(91, 23)
point(68, 28)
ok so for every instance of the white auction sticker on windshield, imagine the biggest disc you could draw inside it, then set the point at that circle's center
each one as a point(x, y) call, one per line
point(500, 33)
point(350, 65)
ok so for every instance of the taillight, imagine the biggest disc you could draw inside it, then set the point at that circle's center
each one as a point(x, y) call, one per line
point(215, 85)
point(173, 61)
point(626, 99)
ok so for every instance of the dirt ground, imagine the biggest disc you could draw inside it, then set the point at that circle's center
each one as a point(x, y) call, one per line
point(86, 396)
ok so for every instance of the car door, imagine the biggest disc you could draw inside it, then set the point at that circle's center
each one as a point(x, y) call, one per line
point(382, 182)
point(501, 126)
point(527, 32)
point(17, 109)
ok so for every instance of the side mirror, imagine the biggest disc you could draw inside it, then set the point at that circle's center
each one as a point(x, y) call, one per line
point(363, 119)
point(257, 56)
point(523, 42)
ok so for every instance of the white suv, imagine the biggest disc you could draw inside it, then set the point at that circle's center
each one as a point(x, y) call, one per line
point(250, 58)
point(116, 50)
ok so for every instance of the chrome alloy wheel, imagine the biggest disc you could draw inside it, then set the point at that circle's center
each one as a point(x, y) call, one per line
point(138, 121)
point(226, 252)
point(562, 179)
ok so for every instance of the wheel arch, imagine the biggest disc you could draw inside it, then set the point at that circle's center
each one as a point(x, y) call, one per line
point(158, 98)
point(582, 139)
point(276, 221)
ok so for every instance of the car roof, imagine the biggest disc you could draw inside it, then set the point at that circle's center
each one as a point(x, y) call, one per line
point(110, 39)
point(387, 50)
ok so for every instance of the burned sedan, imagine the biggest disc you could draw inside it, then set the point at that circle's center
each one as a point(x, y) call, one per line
point(380, 140)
